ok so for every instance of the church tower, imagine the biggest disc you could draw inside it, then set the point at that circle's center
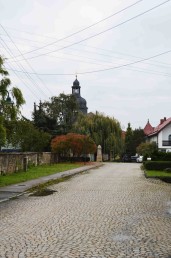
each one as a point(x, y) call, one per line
point(76, 91)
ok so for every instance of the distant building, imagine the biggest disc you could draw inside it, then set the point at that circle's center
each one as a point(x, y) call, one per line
point(76, 91)
point(123, 135)
point(161, 134)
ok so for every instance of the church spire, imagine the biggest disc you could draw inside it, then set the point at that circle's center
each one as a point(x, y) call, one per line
point(77, 93)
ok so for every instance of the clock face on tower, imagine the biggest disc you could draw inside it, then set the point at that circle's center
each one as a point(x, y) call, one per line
point(76, 90)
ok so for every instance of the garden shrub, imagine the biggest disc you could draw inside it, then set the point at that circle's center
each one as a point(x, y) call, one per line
point(165, 156)
point(157, 165)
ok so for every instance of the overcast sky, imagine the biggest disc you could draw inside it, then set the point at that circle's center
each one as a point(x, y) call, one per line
point(57, 39)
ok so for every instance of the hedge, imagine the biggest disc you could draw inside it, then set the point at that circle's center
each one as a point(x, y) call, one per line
point(157, 165)
point(162, 156)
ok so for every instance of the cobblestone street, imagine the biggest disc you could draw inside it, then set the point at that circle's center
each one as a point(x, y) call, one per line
point(108, 212)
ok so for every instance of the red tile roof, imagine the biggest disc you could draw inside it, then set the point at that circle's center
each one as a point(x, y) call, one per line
point(155, 130)
point(148, 128)
point(123, 135)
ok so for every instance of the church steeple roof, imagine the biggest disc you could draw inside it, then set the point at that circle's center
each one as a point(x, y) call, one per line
point(76, 91)
point(76, 82)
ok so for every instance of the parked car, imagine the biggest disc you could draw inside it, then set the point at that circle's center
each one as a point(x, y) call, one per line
point(134, 158)
point(140, 159)
point(126, 158)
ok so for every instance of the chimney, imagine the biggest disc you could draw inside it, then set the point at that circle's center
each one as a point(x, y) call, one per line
point(161, 121)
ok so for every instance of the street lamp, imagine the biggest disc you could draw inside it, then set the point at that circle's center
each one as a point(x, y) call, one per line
point(6, 102)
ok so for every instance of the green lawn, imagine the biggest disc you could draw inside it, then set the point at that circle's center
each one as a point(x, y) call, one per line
point(36, 172)
point(155, 173)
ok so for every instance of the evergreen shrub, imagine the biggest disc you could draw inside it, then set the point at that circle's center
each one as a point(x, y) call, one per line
point(165, 156)
point(156, 165)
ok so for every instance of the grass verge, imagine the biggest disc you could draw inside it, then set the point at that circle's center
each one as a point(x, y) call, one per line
point(155, 173)
point(162, 175)
point(36, 172)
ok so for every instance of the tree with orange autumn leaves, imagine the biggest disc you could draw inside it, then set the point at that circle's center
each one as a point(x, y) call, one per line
point(77, 144)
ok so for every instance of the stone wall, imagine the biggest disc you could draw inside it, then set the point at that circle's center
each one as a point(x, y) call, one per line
point(13, 162)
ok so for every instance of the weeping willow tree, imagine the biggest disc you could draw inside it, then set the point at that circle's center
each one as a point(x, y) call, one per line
point(104, 130)
point(9, 108)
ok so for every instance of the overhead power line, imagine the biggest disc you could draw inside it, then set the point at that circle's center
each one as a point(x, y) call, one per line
point(107, 69)
point(15, 72)
point(97, 34)
point(19, 65)
point(20, 79)
point(88, 27)
point(154, 63)
point(133, 68)
point(25, 59)
point(108, 63)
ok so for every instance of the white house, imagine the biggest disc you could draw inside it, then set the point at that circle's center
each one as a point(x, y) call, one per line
point(160, 134)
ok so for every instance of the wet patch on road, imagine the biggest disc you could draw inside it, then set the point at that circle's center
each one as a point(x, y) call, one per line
point(43, 192)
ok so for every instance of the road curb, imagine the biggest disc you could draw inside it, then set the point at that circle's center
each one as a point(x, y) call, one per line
point(43, 180)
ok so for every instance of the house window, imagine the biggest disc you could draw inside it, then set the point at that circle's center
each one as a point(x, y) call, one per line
point(168, 142)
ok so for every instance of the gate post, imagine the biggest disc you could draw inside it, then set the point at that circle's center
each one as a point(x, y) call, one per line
point(25, 163)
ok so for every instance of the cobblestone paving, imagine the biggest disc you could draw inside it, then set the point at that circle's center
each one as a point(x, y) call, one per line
point(109, 212)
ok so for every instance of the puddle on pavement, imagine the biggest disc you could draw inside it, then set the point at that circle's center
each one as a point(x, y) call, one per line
point(43, 192)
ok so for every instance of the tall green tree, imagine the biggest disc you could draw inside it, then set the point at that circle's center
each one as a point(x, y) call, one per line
point(2, 133)
point(105, 131)
point(9, 108)
point(129, 140)
point(23, 135)
point(133, 138)
point(56, 115)
point(138, 138)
